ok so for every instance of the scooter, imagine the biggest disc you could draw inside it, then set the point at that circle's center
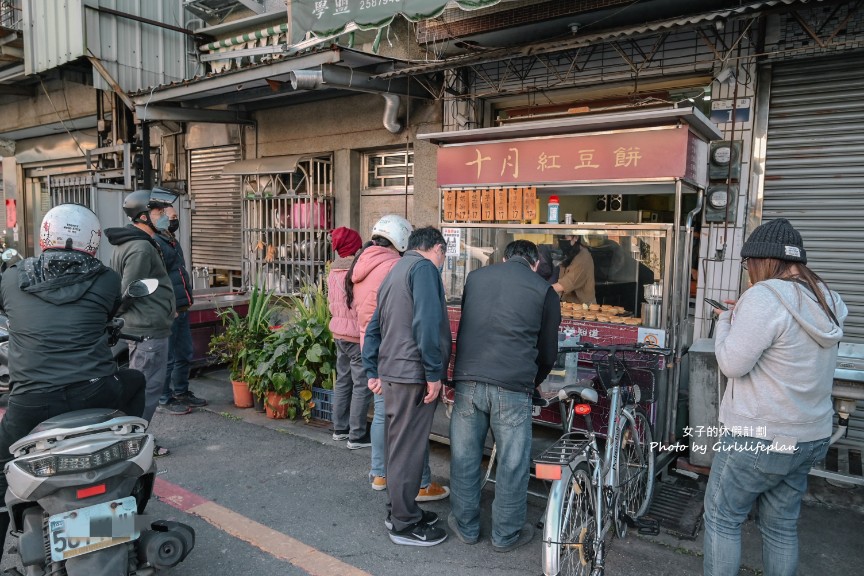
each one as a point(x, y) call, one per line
point(78, 487)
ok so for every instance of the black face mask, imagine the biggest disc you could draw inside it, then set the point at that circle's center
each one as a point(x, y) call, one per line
point(564, 244)
point(174, 225)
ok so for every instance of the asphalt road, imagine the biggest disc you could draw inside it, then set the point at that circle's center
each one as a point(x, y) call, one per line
point(293, 481)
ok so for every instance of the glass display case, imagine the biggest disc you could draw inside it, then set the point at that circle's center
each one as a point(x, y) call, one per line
point(625, 259)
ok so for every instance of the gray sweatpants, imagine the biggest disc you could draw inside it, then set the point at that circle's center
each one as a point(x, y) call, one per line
point(407, 428)
point(150, 358)
point(351, 394)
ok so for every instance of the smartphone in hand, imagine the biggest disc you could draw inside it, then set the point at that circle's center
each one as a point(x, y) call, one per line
point(716, 304)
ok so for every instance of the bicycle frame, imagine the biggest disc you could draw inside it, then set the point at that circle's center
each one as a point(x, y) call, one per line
point(604, 471)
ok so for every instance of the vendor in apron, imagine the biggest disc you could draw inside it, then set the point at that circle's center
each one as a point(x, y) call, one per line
point(576, 276)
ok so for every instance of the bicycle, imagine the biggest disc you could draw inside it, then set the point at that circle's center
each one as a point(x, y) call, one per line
point(593, 492)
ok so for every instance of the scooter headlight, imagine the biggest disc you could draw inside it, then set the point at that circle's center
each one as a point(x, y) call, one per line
point(70, 463)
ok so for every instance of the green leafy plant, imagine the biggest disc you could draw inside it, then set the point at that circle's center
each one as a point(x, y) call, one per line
point(241, 339)
point(301, 354)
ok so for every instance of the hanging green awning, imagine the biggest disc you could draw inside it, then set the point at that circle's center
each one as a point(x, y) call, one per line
point(324, 18)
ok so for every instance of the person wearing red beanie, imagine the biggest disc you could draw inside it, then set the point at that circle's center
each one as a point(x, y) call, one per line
point(351, 396)
point(346, 242)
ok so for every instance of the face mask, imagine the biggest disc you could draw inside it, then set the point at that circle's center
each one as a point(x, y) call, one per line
point(564, 244)
point(441, 268)
point(162, 223)
point(174, 225)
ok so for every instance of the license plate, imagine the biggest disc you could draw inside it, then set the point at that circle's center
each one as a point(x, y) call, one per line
point(92, 528)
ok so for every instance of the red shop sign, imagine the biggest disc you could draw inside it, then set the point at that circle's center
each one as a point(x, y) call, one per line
point(642, 154)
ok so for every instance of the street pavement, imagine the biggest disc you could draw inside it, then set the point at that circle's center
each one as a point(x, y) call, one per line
point(279, 497)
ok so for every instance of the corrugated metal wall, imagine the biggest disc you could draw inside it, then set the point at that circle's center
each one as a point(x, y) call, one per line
point(814, 170)
point(814, 176)
point(138, 55)
point(53, 33)
point(216, 215)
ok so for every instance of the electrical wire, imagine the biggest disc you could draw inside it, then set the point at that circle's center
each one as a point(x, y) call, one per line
point(62, 123)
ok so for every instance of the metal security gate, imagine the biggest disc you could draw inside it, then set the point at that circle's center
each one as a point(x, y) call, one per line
point(814, 175)
point(216, 213)
point(814, 170)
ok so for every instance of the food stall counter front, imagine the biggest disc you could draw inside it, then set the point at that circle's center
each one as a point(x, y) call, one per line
point(622, 188)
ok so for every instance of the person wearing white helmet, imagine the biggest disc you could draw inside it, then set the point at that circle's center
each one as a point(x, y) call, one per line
point(137, 255)
point(377, 257)
point(58, 305)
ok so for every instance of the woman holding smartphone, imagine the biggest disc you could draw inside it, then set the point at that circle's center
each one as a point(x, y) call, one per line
point(777, 345)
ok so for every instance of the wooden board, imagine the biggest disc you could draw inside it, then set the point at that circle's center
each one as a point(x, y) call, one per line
point(514, 204)
point(462, 199)
point(501, 204)
point(449, 205)
point(487, 205)
point(529, 201)
point(474, 206)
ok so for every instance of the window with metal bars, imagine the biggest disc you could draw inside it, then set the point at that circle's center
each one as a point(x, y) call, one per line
point(385, 170)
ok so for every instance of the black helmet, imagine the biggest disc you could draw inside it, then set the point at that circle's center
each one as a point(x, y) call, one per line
point(142, 201)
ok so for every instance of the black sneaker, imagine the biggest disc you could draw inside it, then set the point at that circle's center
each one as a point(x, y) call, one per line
point(174, 406)
point(191, 400)
point(429, 518)
point(418, 535)
point(364, 442)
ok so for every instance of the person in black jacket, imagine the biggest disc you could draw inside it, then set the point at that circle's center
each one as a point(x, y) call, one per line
point(176, 397)
point(506, 346)
point(58, 306)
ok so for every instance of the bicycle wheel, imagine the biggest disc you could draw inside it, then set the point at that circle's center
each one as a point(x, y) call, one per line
point(635, 465)
point(570, 525)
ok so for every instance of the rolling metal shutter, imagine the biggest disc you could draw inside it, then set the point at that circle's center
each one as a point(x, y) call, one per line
point(216, 217)
point(814, 170)
point(814, 177)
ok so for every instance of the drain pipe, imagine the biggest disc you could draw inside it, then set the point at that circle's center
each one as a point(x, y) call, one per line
point(345, 78)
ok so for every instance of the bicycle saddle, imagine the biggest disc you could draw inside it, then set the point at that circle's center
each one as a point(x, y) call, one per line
point(580, 390)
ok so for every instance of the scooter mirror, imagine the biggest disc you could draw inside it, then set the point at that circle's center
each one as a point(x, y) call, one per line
point(140, 288)
point(9, 254)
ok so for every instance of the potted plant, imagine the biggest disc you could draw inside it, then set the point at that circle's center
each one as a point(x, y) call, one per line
point(315, 352)
point(240, 341)
point(298, 357)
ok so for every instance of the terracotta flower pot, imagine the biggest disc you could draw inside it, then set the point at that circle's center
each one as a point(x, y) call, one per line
point(242, 394)
point(274, 407)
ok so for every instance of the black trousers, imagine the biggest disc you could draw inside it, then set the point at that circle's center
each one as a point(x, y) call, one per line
point(407, 428)
point(121, 391)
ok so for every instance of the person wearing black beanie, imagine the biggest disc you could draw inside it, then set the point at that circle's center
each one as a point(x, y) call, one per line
point(778, 348)
point(775, 239)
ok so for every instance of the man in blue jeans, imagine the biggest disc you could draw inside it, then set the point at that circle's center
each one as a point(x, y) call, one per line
point(176, 397)
point(506, 346)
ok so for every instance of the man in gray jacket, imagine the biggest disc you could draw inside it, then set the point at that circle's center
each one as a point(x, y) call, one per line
point(406, 351)
point(137, 256)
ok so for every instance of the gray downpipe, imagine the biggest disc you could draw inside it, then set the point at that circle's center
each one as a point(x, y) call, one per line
point(345, 78)
point(391, 113)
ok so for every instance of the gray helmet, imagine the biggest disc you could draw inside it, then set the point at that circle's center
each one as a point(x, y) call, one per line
point(142, 201)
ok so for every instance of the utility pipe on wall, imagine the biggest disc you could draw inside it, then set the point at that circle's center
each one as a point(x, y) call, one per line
point(346, 78)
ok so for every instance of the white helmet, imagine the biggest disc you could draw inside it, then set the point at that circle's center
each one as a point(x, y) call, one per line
point(394, 228)
point(71, 227)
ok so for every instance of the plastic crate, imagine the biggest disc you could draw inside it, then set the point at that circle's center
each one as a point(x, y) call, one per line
point(323, 399)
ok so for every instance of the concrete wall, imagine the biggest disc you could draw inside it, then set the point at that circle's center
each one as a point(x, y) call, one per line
point(347, 127)
point(71, 100)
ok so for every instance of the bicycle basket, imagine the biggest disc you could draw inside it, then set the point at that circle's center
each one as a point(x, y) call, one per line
point(633, 371)
point(606, 374)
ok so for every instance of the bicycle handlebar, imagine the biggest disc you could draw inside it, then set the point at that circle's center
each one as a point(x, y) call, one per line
point(638, 347)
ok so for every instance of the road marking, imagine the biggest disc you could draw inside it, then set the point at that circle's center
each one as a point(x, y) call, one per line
point(270, 541)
